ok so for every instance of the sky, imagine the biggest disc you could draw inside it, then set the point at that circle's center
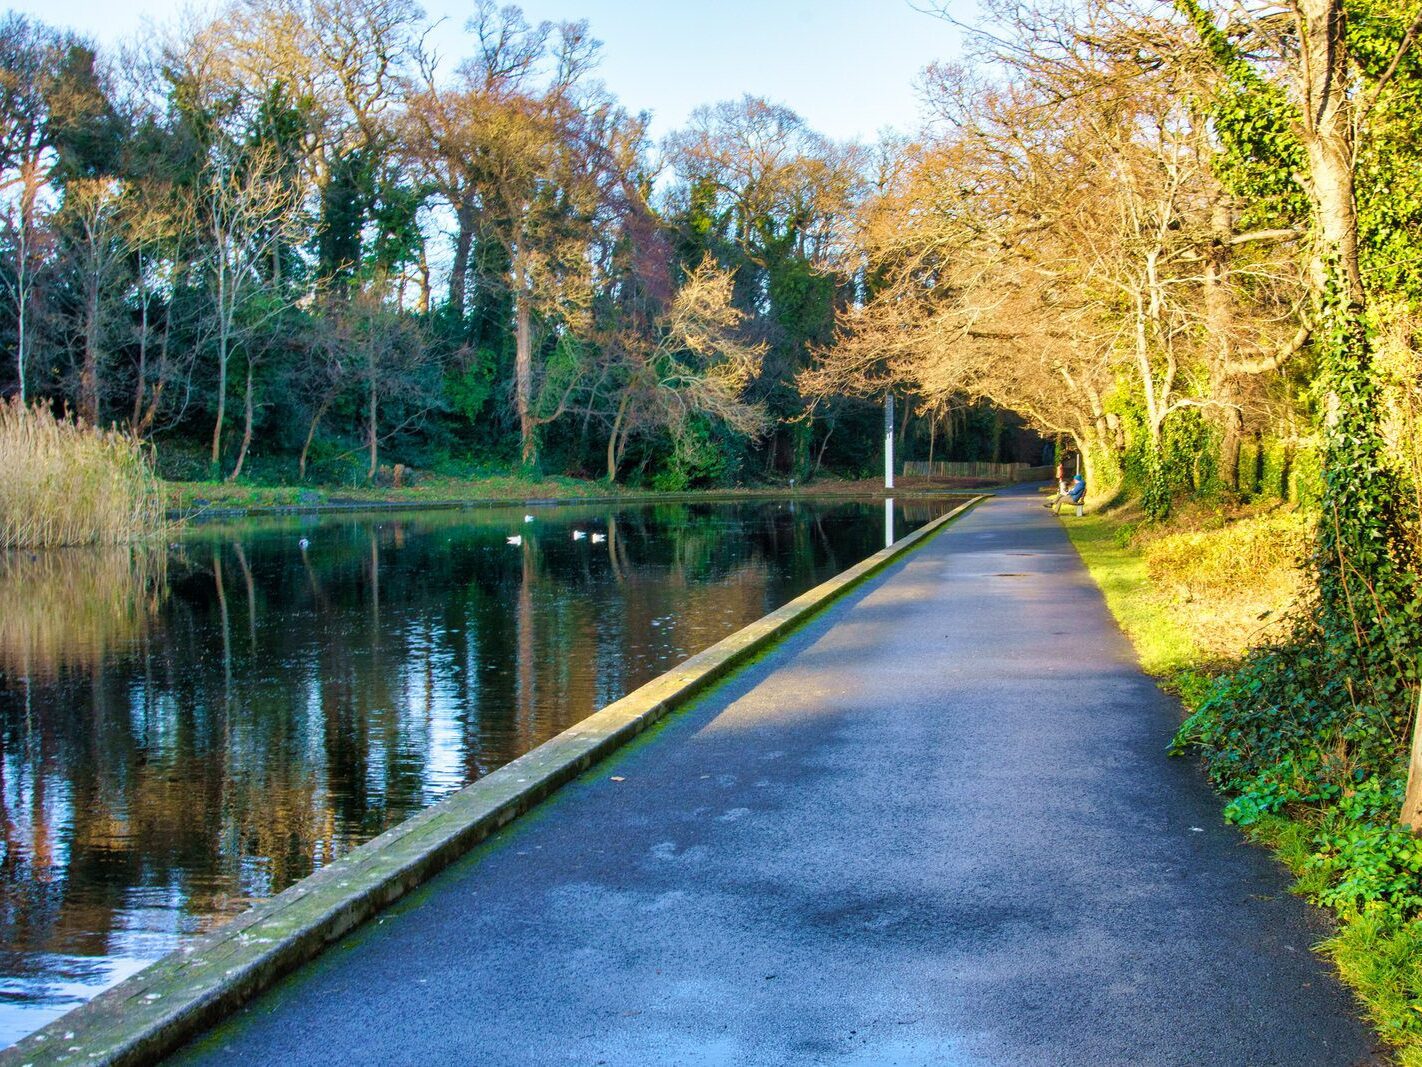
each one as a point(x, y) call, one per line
point(848, 67)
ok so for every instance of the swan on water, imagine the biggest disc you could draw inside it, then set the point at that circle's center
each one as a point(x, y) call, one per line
point(598, 538)
point(528, 518)
point(303, 544)
point(516, 539)
point(579, 535)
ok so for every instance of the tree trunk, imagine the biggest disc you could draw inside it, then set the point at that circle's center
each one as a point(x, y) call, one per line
point(1083, 454)
point(222, 343)
point(422, 305)
point(1364, 505)
point(373, 440)
point(1100, 421)
point(1230, 447)
point(24, 276)
point(824, 444)
point(1218, 313)
point(1328, 140)
point(310, 436)
point(89, 376)
point(22, 303)
point(523, 374)
point(1412, 800)
point(459, 269)
point(142, 386)
point(613, 452)
point(20, 324)
point(150, 413)
point(246, 427)
point(1147, 373)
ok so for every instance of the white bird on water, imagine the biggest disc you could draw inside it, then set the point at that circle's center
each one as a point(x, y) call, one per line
point(598, 538)
point(528, 518)
point(304, 544)
point(516, 539)
point(580, 535)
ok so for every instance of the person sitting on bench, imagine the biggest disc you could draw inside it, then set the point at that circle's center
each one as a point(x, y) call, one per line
point(1074, 494)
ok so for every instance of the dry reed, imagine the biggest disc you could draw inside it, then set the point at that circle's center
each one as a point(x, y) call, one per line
point(63, 482)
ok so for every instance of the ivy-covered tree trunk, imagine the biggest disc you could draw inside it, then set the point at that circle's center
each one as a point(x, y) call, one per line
point(1218, 312)
point(1361, 525)
point(1363, 555)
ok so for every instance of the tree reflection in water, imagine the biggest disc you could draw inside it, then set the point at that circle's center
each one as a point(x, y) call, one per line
point(191, 728)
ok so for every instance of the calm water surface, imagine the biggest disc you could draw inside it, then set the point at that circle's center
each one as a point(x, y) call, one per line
point(190, 729)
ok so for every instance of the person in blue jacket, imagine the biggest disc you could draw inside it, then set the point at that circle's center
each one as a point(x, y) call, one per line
point(1074, 493)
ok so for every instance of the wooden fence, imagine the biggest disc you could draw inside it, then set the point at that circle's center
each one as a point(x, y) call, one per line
point(996, 472)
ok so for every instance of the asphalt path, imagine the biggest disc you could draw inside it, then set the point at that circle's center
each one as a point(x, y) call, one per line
point(935, 826)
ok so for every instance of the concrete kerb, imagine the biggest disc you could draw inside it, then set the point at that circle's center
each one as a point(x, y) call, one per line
point(152, 1013)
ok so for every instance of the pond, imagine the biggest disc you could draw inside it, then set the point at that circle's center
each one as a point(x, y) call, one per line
point(190, 728)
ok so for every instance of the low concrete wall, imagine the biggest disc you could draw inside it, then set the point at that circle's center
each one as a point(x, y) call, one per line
point(151, 1014)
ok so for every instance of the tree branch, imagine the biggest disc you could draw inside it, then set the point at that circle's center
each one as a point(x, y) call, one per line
point(1276, 359)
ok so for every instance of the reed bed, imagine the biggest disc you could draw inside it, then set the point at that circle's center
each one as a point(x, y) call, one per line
point(63, 482)
point(67, 609)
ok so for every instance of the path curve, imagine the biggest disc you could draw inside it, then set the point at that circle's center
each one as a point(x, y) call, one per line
point(937, 825)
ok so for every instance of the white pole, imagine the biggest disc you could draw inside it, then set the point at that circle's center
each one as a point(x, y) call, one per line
point(888, 440)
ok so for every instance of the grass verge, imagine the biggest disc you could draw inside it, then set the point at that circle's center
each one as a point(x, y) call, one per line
point(191, 498)
point(195, 496)
point(1151, 578)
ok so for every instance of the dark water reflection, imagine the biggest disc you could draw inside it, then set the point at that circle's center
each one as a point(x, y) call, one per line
point(187, 731)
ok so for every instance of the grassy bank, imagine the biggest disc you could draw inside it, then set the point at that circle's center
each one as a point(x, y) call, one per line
point(1195, 596)
point(190, 497)
point(195, 497)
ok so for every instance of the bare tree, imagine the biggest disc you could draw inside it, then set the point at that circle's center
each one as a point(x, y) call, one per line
point(521, 148)
point(249, 209)
point(27, 56)
point(695, 360)
point(92, 209)
point(393, 363)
